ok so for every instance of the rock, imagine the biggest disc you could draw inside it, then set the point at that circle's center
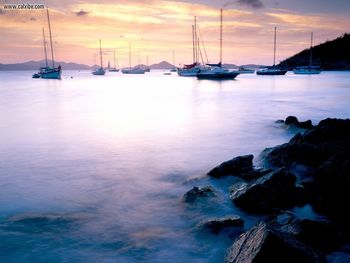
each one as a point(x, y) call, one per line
point(196, 193)
point(320, 234)
point(285, 218)
point(270, 193)
point(331, 189)
point(292, 120)
point(314, 147)
point(236, 166)
point(216, 225)
point(263, 244)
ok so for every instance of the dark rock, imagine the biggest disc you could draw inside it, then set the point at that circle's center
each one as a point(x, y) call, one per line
point(263, 244)
point(236, 166)
point(279, 121)
point(292, 120)
point(285, 218)
point(321, 234)
point(270, 193)
point(331, 188)
point(196, 193)
point(216, 225)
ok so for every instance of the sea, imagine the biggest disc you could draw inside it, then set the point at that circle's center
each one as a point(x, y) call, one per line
point(94, 168)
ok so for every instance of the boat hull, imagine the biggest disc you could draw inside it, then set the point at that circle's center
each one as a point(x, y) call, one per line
point(218, 76)
point(133, 71)
point(271, 73)
point(53, 74)
point(188, 72)
point(306, 71)
point(99, 72)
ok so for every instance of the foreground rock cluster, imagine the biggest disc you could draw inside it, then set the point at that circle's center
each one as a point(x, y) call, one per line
point(312, 168)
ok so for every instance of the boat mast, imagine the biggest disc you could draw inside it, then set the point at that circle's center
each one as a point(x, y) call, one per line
point(312, 36)
point(173, 57)
point(114, 57)
point(193, 51)
point(220, 36)
point(195, 39)
point(45, 49)
point(48, 20)
point(274, 49)
point(129, 55)
point(101, 54)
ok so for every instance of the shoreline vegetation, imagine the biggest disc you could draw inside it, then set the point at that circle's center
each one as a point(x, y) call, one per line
point(312, 169)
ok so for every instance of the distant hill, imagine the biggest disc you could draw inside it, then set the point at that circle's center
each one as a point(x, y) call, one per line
point(35, 65)
point(331, 55)
point(162, 65)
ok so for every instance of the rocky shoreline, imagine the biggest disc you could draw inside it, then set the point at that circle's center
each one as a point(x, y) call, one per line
point(313, 168)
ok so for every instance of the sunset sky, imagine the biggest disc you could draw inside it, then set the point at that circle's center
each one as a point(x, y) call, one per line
point(156, 27)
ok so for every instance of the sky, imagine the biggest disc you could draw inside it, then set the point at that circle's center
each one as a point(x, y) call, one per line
point(155, 28)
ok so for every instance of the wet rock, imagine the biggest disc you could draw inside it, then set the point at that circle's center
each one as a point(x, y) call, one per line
point(270, 193)
point(292, 120)
point(314, 147)
point(236, 166)
point(285, 218)
point(195, 193)
point(263, 244)
point(331, 188)
point(217, 224)
point(321, 234)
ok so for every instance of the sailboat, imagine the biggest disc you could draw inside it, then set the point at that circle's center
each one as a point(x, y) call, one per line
point(174, 68)
point(272, 70)
point(114, 69)
point(147, 69)
point(134, 70)
point(99, 71)
point(308, 70)
point(191, 70)
point(216, 71)
point(49, 72)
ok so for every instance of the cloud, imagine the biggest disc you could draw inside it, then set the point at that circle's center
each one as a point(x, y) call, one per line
point(81, 13)
point(250, 3)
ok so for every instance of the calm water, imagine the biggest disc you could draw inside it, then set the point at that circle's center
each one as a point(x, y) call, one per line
point(93, 169)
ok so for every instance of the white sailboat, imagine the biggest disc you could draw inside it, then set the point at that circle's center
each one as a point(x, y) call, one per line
point(147, 69)
point(99, 71)
point(308, 70)
point(48, 72)
point(216, 71)
point(134, 70)
point(114, 69)
point(173, 69)
point(272, 70)
point(191, 70)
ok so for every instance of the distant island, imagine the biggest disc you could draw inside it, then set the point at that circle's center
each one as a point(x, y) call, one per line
point(331, 55)
point(35, 65)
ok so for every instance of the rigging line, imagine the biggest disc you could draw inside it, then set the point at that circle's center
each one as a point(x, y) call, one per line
point(201, 38)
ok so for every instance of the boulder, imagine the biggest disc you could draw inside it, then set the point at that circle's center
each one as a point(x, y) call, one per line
point(314, 147)
point(195, 193)
point(292, 120)
point(236, 166)
point(270, 193)
point(263, 244)
point(217, 224)
point(320, 234)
